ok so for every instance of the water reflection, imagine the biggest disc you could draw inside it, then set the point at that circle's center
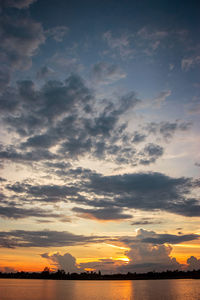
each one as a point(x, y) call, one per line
point(184, 289)
point(117, 290)
point(17, 289)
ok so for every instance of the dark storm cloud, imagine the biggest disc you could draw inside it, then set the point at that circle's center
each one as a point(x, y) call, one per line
point(151, 237)
point(36, 109)
point(134, 182)
point(49, 193)
point(143, 191)
point(14, 212)
point(105, 214)
point(55, 98)
point(39, 141)
point(76, 147)
point(44, 238)
point(24, 157)
point(146, 191)
point(170, 238)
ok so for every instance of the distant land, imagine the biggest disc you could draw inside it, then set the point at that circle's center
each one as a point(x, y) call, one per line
point(61, 275)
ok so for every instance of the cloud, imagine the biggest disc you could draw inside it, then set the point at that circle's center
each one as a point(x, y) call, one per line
point(145, 221)
point(106, 266)
point(44, 72)
point(66, 63)
point(65, 262)
point(36, 109)
point(44, 238)
point(64, 120)
point(5, 76)
point(20, 39)
point(68, 263)
point(120, 44)
point(194, 106)
point(64, 114)
point(190, 62)
point(105, 214)
point(106, 73)
point(145, 191)
point(57, 33)
point(151, 153)
point(20, 4)
point(141, 191)
point(143, 257)
point(138, 137)
point(146, 257)
point(151, 237)
point(148, 40)
point(170, 238)
point(25, 157)
point(44, 193)
point(15, 212)
point(193, 263)
point(161, 98)
point(167, 129)
point(147, 34)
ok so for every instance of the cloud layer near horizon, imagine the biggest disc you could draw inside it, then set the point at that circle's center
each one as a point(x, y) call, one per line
point(144, 255)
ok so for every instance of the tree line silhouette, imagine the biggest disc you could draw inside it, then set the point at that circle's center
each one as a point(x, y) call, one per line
point(62, 275)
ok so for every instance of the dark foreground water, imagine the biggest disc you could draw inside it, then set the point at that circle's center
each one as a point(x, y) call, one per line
point(22, 289)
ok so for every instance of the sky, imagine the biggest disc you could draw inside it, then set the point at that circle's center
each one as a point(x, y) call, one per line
point(99, 152)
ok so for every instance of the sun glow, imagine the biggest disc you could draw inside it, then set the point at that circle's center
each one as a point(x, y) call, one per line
point(187, 246)
point(115, 246)
point(125, 259)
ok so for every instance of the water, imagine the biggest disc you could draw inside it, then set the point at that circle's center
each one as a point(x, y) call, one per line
point(22, 289)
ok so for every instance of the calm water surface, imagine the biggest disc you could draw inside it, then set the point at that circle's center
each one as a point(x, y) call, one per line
point(21, 289)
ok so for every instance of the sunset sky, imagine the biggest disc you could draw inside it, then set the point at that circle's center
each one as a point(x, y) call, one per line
point(100, 105)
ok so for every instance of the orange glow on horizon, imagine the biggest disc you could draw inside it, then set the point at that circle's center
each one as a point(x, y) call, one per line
point(89, 269)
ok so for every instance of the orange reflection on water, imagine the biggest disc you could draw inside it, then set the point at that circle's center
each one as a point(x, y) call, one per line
point(118, 290)
point(181, 289)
